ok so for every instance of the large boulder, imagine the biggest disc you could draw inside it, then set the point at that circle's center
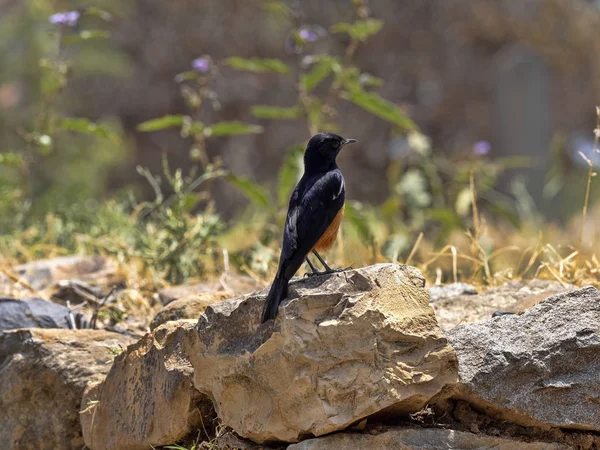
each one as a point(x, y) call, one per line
point(343, 347)
point(420, 439)
point(148, 398)
point(43, 374)
point(540, 368)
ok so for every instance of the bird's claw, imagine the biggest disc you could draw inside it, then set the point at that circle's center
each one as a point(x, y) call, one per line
point(326, 272)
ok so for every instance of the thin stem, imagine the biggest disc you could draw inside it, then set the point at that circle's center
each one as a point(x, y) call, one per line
point(591, 174)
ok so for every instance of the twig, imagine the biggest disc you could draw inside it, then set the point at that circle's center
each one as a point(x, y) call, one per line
point(94, 318)
point(414, 249)
point(591, 174)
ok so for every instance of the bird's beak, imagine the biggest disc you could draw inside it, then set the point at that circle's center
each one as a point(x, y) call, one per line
point(349, 141)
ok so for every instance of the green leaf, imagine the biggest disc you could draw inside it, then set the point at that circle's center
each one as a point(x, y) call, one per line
point(361, 29)
point(86, 35)
point(317, 74)
point(278, 8)
point(84, 126)
point(376, 104)
point(275, 112)
point(366, 79)
point(231, 128)
point(162, 123)
point(11, 159)
point(97, 12)
point(258, 64)
point(289, 174)
point(254, 192)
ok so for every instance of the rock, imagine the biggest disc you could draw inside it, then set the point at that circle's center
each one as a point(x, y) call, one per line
point(540, 368)
point(190, 307)
point(343, 347)
point(229, 441)
point(43, 273)
point(148, 398)
point(44, 374)
point(420, 439)
point(512, 297)
point(437, 293)
point(234, 285)
point(37, 313)
point(76, 292)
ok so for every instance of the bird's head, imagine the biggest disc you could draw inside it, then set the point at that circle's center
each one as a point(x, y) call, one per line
point(322, 148)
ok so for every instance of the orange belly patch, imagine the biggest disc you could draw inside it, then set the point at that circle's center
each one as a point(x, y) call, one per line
point(326, 241)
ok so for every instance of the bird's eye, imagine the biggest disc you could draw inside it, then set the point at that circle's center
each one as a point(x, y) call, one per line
point(335, 144)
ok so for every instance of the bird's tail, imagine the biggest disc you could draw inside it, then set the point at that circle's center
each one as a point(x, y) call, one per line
point(277, 293)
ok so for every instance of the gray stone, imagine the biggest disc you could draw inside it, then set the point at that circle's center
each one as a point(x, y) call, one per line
point(540, 368)
point(450, 290)
point(420, 439)
point(515, 296)
point(37, 313)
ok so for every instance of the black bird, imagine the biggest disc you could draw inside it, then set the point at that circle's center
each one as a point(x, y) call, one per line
point(314, 215)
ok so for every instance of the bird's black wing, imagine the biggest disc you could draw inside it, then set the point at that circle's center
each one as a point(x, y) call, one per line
point(309, 215)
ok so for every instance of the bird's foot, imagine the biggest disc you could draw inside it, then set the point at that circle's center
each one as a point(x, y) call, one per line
point(314, 273)
point(328, 271)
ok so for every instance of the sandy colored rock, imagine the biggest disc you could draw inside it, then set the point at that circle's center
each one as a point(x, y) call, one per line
point(148, 398)
point(234, 285)
point(44, 272)
point(420, 439)
point(343, 347)
point(515, 296)
point(190, 307)
point(540, 368)
point(43, 375)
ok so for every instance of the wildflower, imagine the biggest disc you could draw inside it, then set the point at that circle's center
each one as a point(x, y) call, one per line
point(68, 18)
point(201, 64)
point(307, 35)
point(304, 35)
point(311, 33)
point(482, 148)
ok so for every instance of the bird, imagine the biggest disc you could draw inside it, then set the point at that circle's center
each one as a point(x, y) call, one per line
point(315, 212)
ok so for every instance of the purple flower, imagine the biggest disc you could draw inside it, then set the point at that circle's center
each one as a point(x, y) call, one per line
point(67, 18)
point(482, 148)
point(311, 33)
point(201, 64)
point(308, 35)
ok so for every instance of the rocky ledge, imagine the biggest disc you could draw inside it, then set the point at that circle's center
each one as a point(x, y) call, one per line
point(353, 360)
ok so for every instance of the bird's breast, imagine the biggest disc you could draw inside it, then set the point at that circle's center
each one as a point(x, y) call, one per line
point(327, 239)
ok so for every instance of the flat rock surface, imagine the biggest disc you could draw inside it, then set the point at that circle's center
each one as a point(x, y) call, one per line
point(515, 296)
point(540, 368)
point(43, 374)
point(343, 347)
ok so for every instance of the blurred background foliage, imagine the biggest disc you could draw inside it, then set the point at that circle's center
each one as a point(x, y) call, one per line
point(162, 132)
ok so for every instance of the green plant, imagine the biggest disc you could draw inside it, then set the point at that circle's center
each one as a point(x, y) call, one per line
point(29, 169)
